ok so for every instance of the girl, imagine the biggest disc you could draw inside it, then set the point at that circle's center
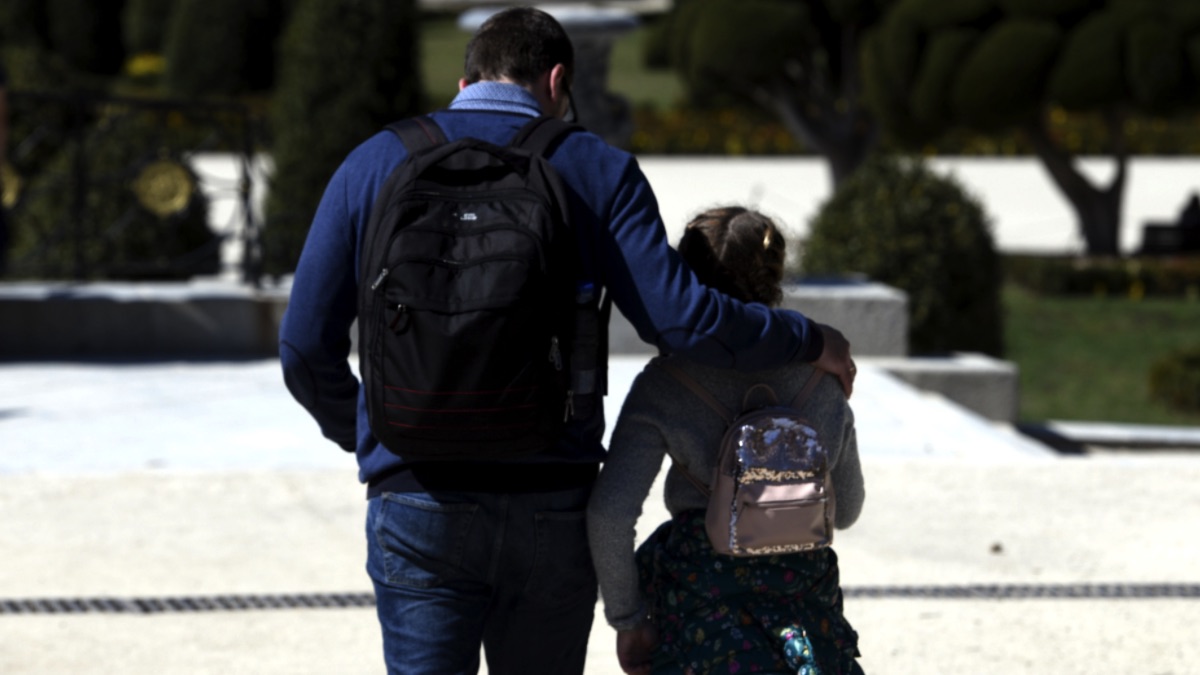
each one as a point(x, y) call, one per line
point(678, 606)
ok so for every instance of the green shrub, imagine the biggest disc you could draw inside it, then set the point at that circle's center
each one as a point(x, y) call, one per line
point(222, 47)
point(1175, 380)
point(324, 105)
point(1088, 71)
point(87, 33)
point(999, 82)
point(145, 24)
point(1134, 277)
point(24, 23)
point(900, 224)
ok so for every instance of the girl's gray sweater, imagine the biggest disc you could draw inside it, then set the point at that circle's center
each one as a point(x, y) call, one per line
point(662, 416)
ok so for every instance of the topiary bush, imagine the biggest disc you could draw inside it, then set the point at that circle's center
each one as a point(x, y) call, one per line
point(323, 107)
point(1175, 380)
point(144, 24)
point(87, 33)
point(221, 48)
point(898, 223)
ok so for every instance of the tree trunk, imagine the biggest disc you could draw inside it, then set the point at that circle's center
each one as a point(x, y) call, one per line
point(1097, 209)
point(845, 154)
point(843, 132)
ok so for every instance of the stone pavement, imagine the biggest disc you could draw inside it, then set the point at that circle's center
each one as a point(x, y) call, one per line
point(125, 485)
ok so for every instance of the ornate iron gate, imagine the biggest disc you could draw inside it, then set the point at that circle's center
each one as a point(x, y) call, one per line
point(104, 187)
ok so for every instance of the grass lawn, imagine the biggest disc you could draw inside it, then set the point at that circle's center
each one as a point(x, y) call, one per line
point(1089, 359)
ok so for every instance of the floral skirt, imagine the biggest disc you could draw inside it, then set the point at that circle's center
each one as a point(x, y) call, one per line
point(722, 614)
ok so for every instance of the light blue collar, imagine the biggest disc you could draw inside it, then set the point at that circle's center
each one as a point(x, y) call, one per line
point(497, 97)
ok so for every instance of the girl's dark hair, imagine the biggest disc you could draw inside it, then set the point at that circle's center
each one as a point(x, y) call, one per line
point(519, 44)
point(738, 252)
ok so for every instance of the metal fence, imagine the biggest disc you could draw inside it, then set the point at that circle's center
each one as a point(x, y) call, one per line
point(107, 187)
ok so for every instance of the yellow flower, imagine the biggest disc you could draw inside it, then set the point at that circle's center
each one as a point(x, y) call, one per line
point(146, 63)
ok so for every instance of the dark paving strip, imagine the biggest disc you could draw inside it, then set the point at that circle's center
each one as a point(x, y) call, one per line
point(226, 603)
point(184, 604)
point(1030, 591)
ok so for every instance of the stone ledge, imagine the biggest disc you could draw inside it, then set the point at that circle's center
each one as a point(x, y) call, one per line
point(980, 383)
point(873, 317)
point(223, 319)
point(203, 319)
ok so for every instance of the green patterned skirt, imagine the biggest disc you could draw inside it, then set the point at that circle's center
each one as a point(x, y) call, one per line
point(720, 614)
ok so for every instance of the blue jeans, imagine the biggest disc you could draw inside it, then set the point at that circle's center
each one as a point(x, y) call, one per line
point(453, 570)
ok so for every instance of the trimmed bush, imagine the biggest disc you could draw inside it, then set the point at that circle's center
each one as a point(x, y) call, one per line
point(1154, 65)
point(24, 23)
point(1000, 81)
point(1175, 380)
point(934, 14)
point(222, 47)
point(1089, 72)
point(87, 34)
point(930, 101)
point(347, 68)
point(1134, 278)
point(898, 223)
point(205, 48)
point(145, 24)
point(1044, 8)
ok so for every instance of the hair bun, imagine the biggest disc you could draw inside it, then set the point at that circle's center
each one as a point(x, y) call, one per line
point(737, 251)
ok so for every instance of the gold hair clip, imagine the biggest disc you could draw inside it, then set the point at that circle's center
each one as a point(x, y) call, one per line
point(767, 239)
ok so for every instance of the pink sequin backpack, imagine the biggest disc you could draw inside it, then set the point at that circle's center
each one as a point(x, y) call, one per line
point(771, 491)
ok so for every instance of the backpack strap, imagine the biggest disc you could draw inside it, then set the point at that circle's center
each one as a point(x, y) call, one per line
point(418, 133)
point(708, 398)
point(759, 387)
point(807, 389)
point(698, 390)
point(541, 133)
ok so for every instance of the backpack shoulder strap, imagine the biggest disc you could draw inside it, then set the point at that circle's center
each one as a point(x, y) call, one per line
point(699, 390)
point(807, 389)
point(708, 398)
point(540, 134)
point(418, 133)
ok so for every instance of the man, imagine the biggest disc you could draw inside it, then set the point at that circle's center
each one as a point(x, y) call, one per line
point(463, 553)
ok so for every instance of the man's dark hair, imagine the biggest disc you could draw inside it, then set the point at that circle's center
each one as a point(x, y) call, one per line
point(518, 44)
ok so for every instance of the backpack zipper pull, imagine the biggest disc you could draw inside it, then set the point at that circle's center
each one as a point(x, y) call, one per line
point(379, 279)
point(555, 354)
point(570, 406)
point(401, 310)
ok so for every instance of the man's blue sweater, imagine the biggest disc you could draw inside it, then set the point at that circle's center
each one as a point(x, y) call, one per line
point(623, 248)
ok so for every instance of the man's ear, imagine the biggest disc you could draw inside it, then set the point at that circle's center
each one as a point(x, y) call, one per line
point(462, 83)
point(558, 82)
point(559, 89)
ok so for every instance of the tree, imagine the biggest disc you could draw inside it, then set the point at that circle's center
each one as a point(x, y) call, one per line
point(991, 65)
point(798, 60)
point(346, 69)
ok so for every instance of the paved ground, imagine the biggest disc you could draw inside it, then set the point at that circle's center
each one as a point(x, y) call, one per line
point(139, 482)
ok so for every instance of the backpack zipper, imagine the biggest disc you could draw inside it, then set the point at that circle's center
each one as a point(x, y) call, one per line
point(556, 359)
point(379, 279)
point(401, 311)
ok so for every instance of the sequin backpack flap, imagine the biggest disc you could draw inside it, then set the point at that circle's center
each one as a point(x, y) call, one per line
point(771, 491)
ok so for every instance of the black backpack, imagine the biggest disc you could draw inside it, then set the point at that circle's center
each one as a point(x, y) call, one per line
point(472, 343)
